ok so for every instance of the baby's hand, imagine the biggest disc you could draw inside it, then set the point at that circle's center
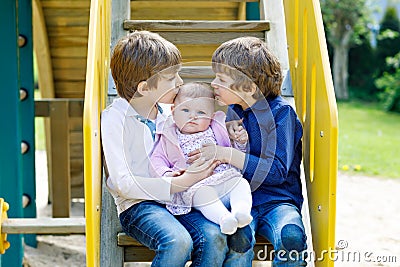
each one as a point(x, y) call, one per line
point(237, 132)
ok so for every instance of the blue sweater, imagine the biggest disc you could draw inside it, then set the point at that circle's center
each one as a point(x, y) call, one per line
point(274, 152)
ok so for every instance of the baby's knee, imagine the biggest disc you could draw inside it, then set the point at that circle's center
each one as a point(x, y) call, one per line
point(293, 238)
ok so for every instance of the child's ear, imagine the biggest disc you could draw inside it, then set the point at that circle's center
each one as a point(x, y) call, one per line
point(253, 88)
point(143, 88)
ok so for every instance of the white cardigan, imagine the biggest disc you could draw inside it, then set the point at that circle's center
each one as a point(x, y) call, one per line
point(127, 145)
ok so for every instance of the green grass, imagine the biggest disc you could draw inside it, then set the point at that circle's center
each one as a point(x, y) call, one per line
point(369, 137)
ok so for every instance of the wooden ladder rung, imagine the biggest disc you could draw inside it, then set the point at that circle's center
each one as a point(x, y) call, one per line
point(197, 25)
point(192, 72)
point(44, 226)
point(125, 240)
point(136, 252)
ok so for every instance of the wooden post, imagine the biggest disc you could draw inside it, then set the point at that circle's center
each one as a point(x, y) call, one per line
point(110, 253)
point(61, 184)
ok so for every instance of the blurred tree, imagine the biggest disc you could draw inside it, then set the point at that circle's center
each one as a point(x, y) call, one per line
point(389, 82)
point(388, 43)
point(362, 69)
point(345, 21)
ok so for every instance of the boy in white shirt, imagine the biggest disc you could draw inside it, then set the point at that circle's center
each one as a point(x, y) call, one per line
point(145, 70)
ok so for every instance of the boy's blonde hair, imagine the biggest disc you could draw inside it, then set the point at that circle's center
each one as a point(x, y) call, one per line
point(255, 63)
point(139, 56)
point(195, 90)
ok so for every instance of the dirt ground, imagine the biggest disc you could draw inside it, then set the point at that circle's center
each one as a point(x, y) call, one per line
point(367, 227)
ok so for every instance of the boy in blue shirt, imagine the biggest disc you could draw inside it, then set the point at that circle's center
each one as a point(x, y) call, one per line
point(248, 79)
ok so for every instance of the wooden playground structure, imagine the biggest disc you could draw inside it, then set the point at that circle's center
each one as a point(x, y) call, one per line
point(72, 41)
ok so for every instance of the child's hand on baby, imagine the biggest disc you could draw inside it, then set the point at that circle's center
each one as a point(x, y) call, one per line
point(210, 152)
point(237, 132)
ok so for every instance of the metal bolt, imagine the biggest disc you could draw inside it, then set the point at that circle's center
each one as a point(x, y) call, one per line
point(319, 207)
point(22, 41)
point(321, 133)
point(23, 94)
point(24, 147)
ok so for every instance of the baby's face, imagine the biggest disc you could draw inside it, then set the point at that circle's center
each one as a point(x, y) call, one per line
point(193, 115)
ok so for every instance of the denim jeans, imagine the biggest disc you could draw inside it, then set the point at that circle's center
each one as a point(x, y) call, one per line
point(151, 224)
point(212, 248)
point(282, 225)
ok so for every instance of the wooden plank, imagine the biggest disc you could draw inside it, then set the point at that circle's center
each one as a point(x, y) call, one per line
point(125, 240)
point(70, 74)
point(76, 137)
point(136, 252)
point(197, 52)
point(68, 3)
point(68, 30)
point(44, 226)
point(205, 37)
point(66, 12)
point(263, 252)
point(196, 25)
point(43, 107)
point(69, 52)
point(76, 123)
point(184, 4)
point(42, 51)
point(242, 11)
point(68, 87)
point(62, 41)
point(60, 171)
point(195, 10)
point(192, 72)
point(69, 63)
point(77, 192)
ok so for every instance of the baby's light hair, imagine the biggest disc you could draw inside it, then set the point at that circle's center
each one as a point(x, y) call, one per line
point(195, 90)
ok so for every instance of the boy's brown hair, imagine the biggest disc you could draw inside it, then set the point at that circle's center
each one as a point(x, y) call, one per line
point(139, 56)
point(250, 56)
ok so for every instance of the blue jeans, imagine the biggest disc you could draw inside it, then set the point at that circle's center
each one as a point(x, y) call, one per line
point(282, 225)
point(151, 224)
point(212, 248)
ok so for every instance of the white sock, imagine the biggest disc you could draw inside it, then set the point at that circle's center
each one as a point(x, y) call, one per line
point(243, 218)
point(228, 224)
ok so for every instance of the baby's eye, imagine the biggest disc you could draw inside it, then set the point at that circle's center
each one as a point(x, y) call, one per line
point(201, 112)
point(185, 110)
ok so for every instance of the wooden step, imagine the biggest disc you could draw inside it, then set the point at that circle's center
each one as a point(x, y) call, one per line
point(44, 226)
point(136, 252)
point(197, 25)
point(197, 32)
